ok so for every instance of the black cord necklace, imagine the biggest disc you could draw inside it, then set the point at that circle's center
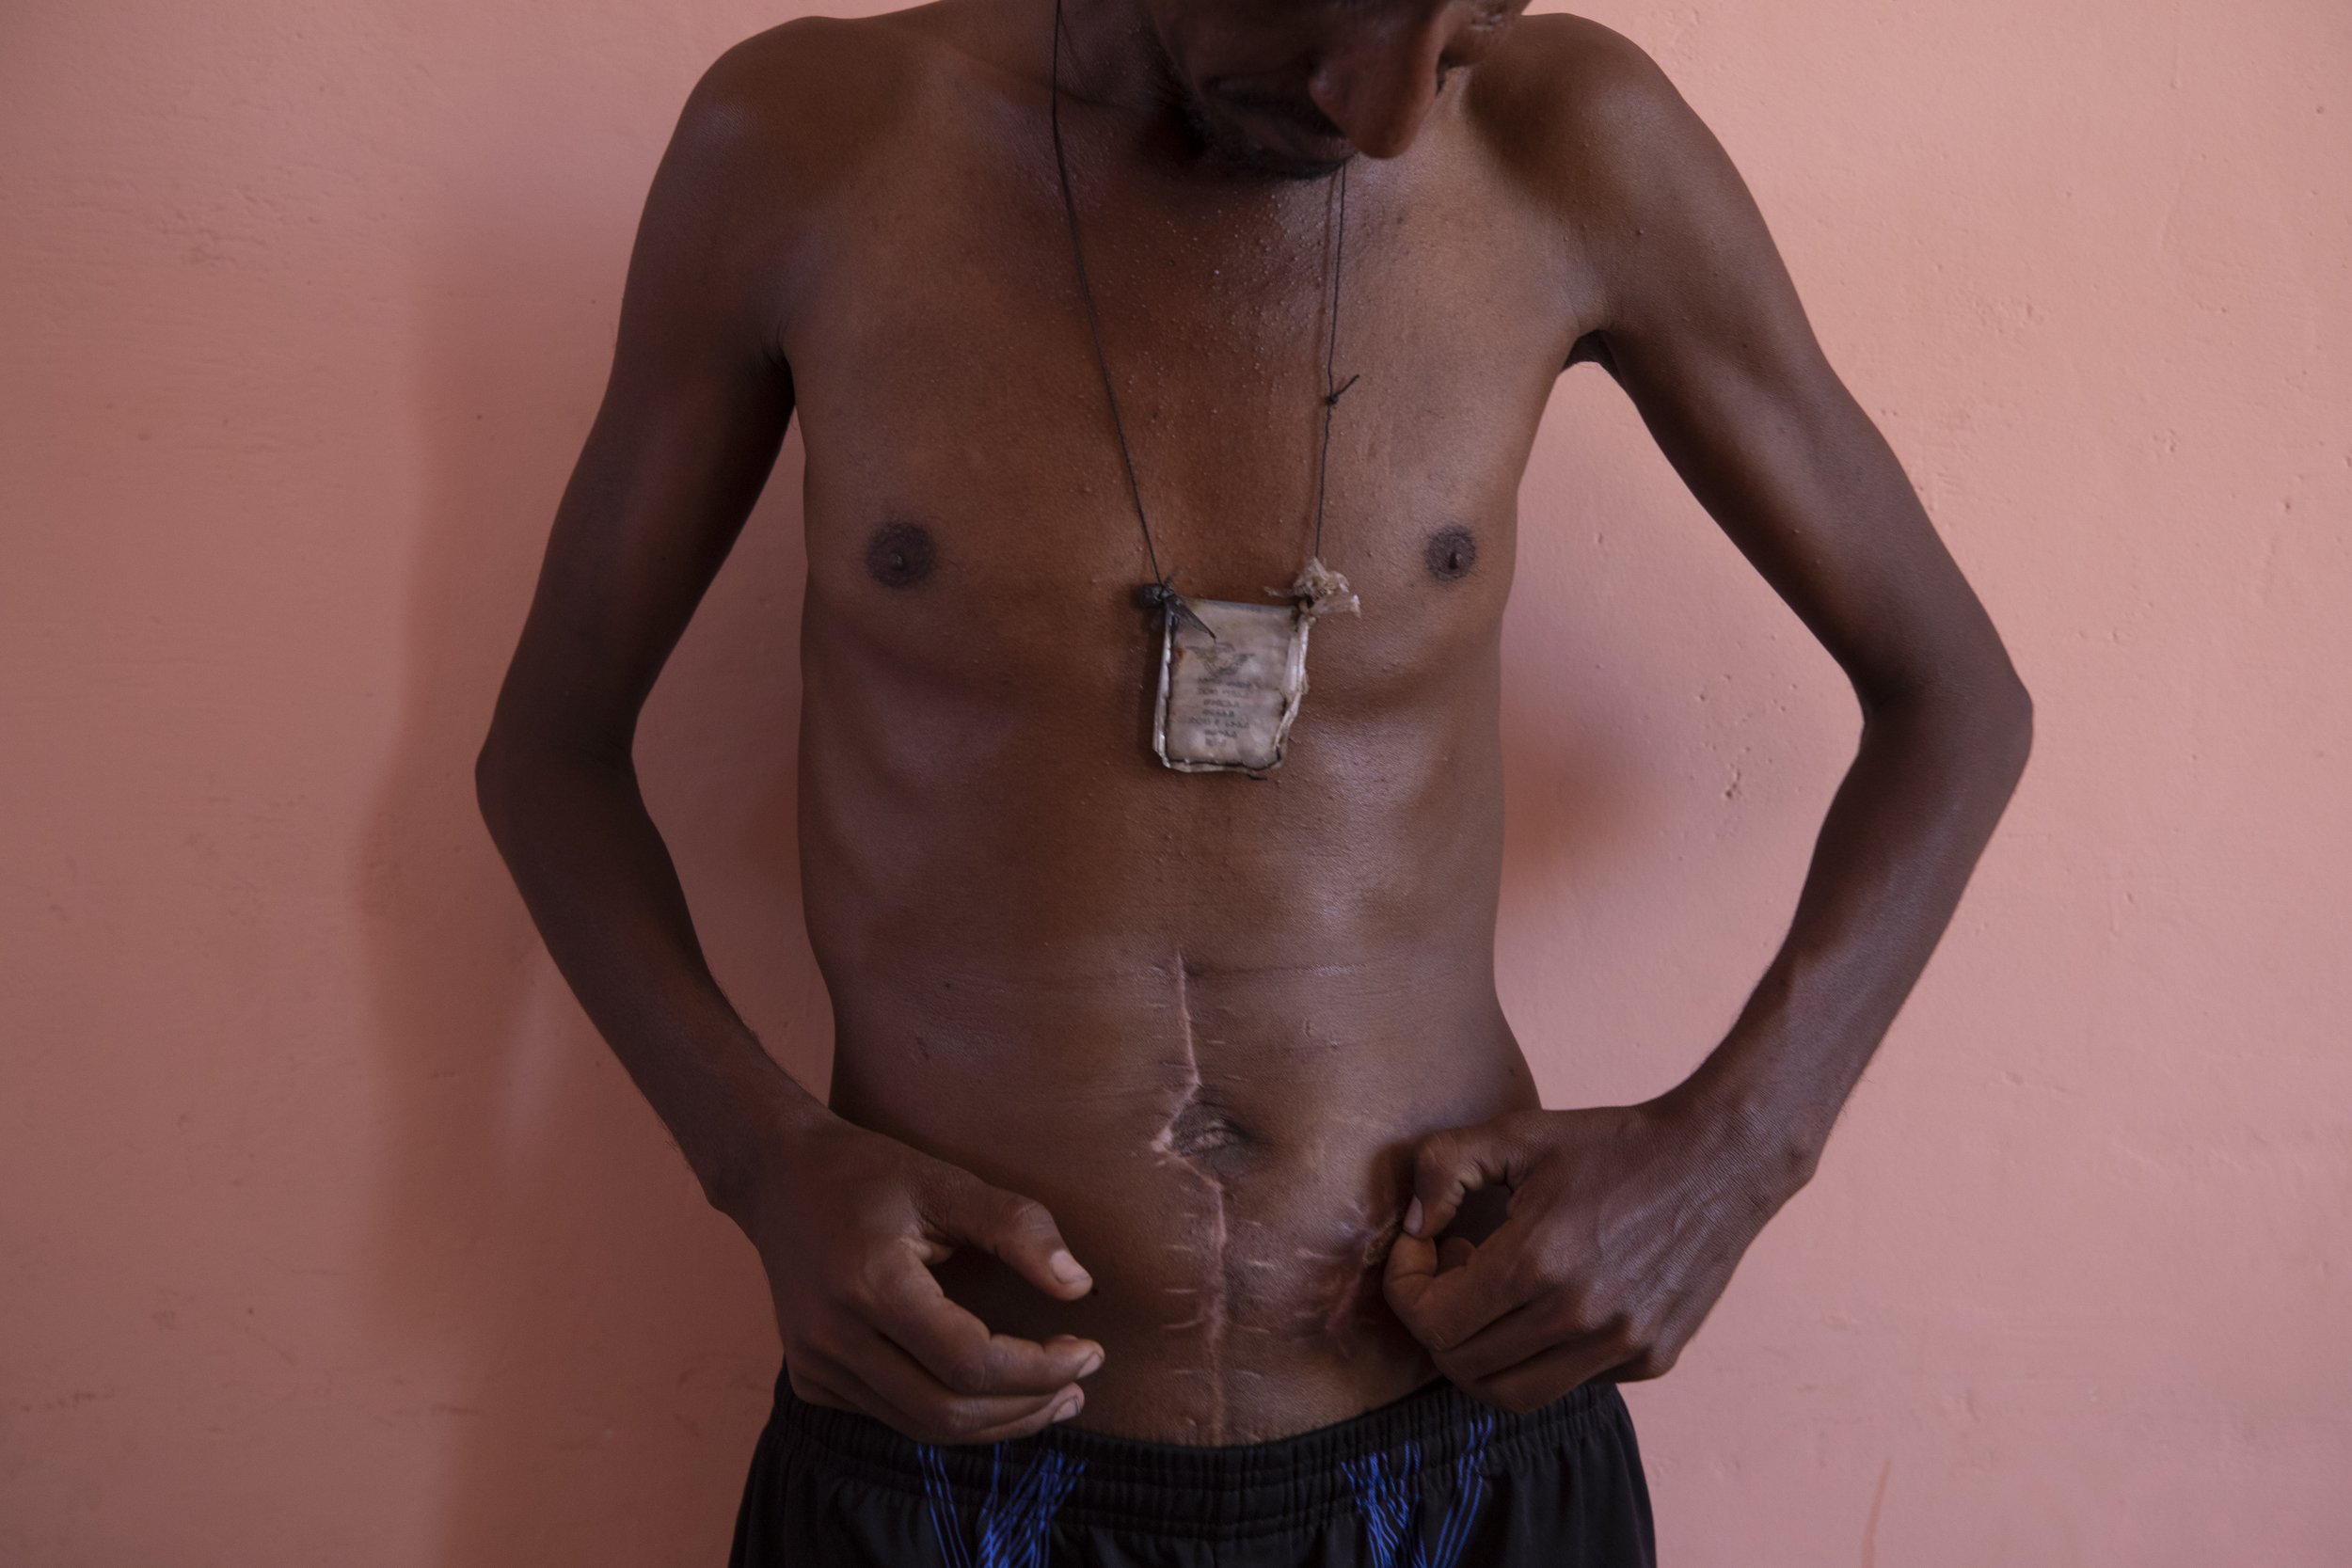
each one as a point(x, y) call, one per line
point(1160, 591)
point(1230, 679)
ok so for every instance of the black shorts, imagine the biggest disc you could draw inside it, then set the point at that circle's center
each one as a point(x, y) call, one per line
point(1434, 1480)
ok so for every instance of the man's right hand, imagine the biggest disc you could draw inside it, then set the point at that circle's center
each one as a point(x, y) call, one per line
point(849, 1224)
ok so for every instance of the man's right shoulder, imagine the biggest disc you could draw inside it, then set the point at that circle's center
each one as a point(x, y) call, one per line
point(810, 98)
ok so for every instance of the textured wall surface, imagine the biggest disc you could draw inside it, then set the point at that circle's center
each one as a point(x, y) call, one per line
point(328, 1233)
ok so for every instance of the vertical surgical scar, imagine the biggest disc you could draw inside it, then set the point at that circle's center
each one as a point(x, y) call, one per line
point(1192, 1135)
point(900, 555)
point(1451, 553)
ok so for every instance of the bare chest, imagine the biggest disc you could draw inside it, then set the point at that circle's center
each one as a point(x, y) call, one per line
point(968, 505)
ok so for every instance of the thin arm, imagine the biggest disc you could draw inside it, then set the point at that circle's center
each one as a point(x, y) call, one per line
point(690, 423)
point(1705, 333)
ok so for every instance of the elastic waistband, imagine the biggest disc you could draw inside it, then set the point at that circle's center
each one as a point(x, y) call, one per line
point(1182, 1489)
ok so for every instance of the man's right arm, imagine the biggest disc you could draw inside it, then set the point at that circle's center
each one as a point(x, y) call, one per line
point(846, 1222)
point(693, 417)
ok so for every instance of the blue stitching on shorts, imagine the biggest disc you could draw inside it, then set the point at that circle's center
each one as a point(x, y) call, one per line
point(1012, 1528)
point(1388, 1498)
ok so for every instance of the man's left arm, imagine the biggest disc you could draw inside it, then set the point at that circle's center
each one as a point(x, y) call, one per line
point(1626, 1222)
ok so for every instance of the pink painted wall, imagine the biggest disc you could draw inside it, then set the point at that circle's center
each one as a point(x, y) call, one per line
point(328, 1233)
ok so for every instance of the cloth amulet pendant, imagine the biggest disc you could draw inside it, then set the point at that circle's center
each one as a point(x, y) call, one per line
point(1233, 675)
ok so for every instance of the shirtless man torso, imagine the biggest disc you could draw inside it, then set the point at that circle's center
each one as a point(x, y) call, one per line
point(1231, 1043)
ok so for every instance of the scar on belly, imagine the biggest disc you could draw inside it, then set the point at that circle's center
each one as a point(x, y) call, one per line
point(1340, 1282)
point(1193, 1132)
point(1361, 1288)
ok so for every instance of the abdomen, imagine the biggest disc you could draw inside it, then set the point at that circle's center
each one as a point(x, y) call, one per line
point(1202, 1019)
point(1226, 1152)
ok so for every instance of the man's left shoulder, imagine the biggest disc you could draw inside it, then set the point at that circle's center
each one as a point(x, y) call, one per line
point(1577, 110)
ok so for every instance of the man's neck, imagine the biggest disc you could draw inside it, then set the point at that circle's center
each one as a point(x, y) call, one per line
point(1112, 59)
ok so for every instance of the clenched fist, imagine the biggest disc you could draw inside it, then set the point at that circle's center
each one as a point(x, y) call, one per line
point(1624, 1227)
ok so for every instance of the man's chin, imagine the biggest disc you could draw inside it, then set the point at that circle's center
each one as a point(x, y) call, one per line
point(1230, 145)
point(1277, 165)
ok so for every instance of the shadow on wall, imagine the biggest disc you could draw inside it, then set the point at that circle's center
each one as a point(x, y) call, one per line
point(588, 1346)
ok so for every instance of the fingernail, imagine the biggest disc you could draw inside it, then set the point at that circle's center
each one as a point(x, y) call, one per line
point(1095, 1359)
point(1068, 1407)
point(1066, 1270)
point(1413, 1216)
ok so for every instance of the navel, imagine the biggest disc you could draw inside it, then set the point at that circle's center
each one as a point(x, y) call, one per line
point(1450, 554)
point(1198, 1133)
point(900, 555)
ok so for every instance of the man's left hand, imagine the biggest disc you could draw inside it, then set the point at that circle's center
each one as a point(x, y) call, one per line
point(1625, 1224)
